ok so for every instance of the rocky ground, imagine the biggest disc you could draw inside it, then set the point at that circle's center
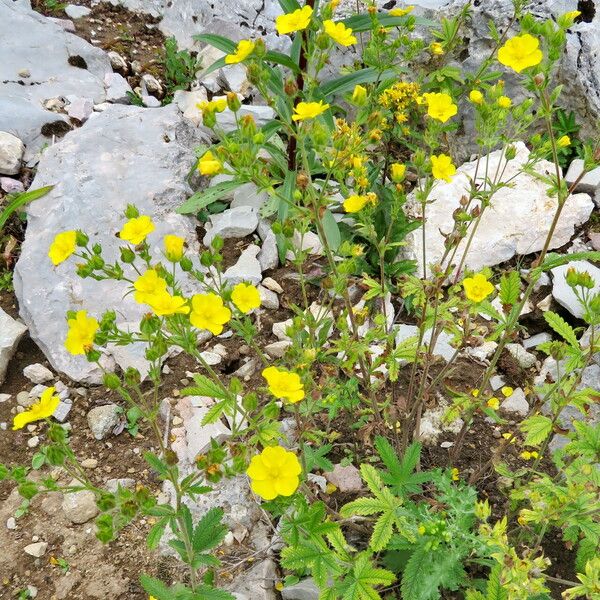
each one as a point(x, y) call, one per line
point(67, 79)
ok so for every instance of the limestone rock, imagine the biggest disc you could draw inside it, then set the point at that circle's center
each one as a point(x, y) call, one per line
point(231, 223)
point(247, 268)
point(516, 403)
point(38, 373)
point(525, 359)
point(11, 153)
point(122, 155)
point(268, 257)
point(37, 549)
point(258, 582)
point(79, 507)
point(305, 589)
point(517, 221)
point(103, 419)
point(589, 183)
point(11, 332)
point(564, 294)
point(74, 11)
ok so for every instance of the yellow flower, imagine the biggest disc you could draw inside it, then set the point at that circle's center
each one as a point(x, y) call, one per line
point(209, 313)
point(475, 393)
point(572, 15)
point(136, 229)
point(62, 247)
point(509, 436)
point(242, 51)
point(504, 102)
point(82, 330)
point(477, 288)
point(42, 409)
point(520, 52)
point(283, 384)
point(440, 106)
point(162, 303)
point(218, 105)
point(442, 167)
point(355, 203)
point(421, 529)
point(209, 164)
point(174, 247)
point(400, 12)
point(398, 170)
point(274, 472)
point(309, 110)
point(527, 455)
point(436, 48)
point(476, 97)
point(564, 141)
point(339, 33)
point(507, 391)
point(455, 474)
point(147, 285)
point(359, 95)
point(245, 297)
point(493, 403)
point(295, 21)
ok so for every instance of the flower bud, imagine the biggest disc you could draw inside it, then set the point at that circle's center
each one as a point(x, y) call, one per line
point(259, 48)
point(302, 180)
point(233, 102)
point(248, 125)
point(131, 212)
point(510, 153)
point(81, 239)
point(217, 243)
point(359, 95)
point(539, 79)
point(209, 119)
point(186, 264)
point(127, 255)
point(132, 376)
point(111, 381)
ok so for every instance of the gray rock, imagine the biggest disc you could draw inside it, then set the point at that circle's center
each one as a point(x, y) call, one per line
point(11, 186)
point(65, 24)
point(247, 194)
point(74, 11)
point(247, 268)
point(564, 294)
point(258, 582)
point(37, 550)
point(79, 507)
point(80, 108)
point(38, 373)
point(151, 84)
point(45, 52)
point(150, 101)
point(272, 285)
point(305, 589)
point(103, 419)
point(11, 153)
point(11, 332)
point(277, 349)
point(536, 340)
point(117, 88)
point(112, 485)
point(121, 155)
point(589, 183)
point(261, 114)
point(25, 400)
point(62, 411)
point(268, 299)
point(268, 257)
point(525, 359)
point(231, 223)
point(117, 62)
point(516, 403)
point(517, 222)
point(442, 346)
point(345, 479)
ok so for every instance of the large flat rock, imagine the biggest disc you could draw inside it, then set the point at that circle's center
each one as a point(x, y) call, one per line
point(123, 155)
point(35, 67)
point(516, 222)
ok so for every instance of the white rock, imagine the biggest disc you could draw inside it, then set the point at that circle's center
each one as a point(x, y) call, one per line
point(33, 442)
point(11, 523)
point(151, 84)
point(150, 101)
point(247, 268)
point(120, 156)
point(308, 241)
point(517, 222)
point(516, 403)
point(231, 223)
point(525, 359)
point(11, 332)
point(79, 507)
point(248, 194)
point(103, 419)
point(62, 411)
point(37, 550)
point(212, 358)
point(564, 294)
point(74, 11)
point(117, 88)
point(261, 114)
point(11, 186)
point(589, 183)
point(11, 153)
point(117, 62)
point(433, 423)
point(38, 373)
point(305, 589)
point(258, 582)
point(442, 346)
point(279, 329)
point(268, 299)
point(277, 349)
point(5, 397)
point(268, 257)
point(234, 78)
point(345, 479)
point(272, 285)
point(497, 381)
point(484, 351)
point(188, 104)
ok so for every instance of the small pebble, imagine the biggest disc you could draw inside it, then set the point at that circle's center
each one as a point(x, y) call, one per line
point(33, 441)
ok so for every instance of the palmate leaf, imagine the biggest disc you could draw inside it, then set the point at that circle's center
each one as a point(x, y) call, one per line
point(160, 591)
point(316, 556)
point(400, 475)
point(205, 387)
point(361, 582)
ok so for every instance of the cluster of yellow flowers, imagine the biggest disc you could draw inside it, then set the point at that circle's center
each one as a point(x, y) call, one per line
point(399, 97)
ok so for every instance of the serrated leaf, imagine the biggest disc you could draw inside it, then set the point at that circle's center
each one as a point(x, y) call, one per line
point(560, 326)
point(510, 287)
point(536, 428)
point(205, 197)
point(205, 387)
point(209, 532)
point(155, 534)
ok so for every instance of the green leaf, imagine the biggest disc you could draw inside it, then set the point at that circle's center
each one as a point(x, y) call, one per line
point(363, 22)
point(205, 387)
point(510, 287)
point(156, 588)
point(16, 202)
point(281, 59)
point(289, 6)
point(537, 428)
point(155, 534)
point(560, 326)
point(332, 231)
point(316, 457)
point(587, 550)
point(209, 532)
point(203, 198)
point(218, 41)
point(346, 83)
point(157, 464)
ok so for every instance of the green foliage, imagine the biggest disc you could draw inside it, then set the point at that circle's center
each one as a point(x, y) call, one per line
point(17, 201)
point(180, 69)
